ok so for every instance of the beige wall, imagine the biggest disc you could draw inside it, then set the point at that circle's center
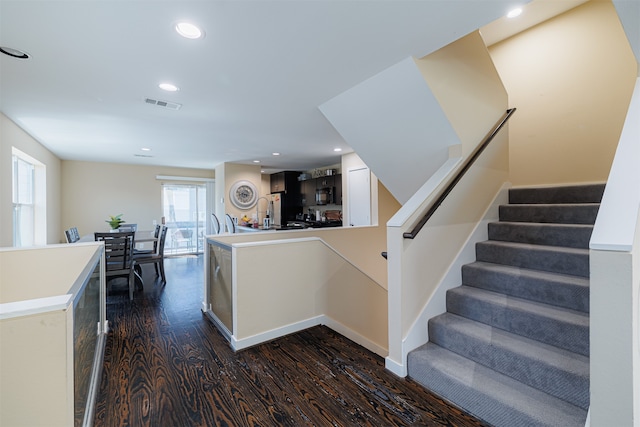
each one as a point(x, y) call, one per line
point(12, 135)
point(464, 80)
point(93, 191)
point(291, 285)
point(571, 80)
point(32, 375)
point(228, 174)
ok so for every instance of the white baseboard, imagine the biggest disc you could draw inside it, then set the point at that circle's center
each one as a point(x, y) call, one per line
point(396, 368)
point(240, 344)
point(354, 336)
point(275, 333)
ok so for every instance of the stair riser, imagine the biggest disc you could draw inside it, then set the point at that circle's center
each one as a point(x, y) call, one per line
point(569, 214)
point(557, 293)
point(572, 337)
point(552, 235)
point(562, 384)
point(568, 194)
point(543, 258)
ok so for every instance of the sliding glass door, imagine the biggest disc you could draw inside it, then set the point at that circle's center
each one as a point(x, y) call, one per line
point(184, 213)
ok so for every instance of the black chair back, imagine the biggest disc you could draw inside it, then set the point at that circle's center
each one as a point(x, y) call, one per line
point(118, 250)
point(72, 235)
point(162, 239)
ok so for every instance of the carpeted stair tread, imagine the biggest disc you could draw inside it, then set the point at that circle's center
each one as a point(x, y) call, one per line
point(589, 193)
point(513, 345)
point(580, 213)
point(567, 235)
point(556, 289)
point(561, 327)
point(559, 372)
point(488, 395)
point(554, 259)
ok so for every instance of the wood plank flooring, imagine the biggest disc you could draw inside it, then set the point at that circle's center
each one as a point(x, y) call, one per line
point(167, 365)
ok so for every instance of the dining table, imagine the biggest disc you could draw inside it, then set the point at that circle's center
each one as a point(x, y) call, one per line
point(143, 236)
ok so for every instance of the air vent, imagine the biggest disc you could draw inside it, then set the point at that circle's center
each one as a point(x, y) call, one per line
point(142, 155)
point(163, 104)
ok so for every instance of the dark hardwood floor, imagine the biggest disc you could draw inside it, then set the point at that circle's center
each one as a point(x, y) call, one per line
point(167, 365)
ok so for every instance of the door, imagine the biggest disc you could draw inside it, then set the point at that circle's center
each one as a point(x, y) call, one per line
point(359, 197)
point(184, 214)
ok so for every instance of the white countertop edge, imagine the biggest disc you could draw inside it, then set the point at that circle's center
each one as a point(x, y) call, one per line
point(275, 242)
point(34, 306)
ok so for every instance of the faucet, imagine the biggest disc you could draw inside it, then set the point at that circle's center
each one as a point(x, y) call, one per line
point(258, 206)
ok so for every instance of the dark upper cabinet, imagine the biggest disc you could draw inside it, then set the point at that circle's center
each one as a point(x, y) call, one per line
point(286, 181)
point(338, 184)
point(308, 190)
point(325, 181)
point(310, 186)
point(277, 182)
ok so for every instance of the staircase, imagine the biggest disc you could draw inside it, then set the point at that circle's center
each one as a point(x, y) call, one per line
point(513, 347)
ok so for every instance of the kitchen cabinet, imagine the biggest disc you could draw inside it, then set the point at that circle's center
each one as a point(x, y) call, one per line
point(335, 183)
point(325, 181)
point(286, 181)
point(309, 187)
point(308, 190)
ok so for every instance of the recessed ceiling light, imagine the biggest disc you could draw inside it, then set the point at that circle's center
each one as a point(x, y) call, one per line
point(168, 87)
point(189, 31)
point(145, 149)
point(275, 154)
point(515, 12)
point(15, 53)
point(256, 161)
point(337, 149)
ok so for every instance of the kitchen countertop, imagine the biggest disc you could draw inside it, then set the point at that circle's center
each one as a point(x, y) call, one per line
point(292, 225)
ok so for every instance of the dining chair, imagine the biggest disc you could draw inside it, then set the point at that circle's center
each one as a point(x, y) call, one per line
point(215, 224)
point(156, 233)
point(128, 227)
point(182, 236)
point(231, 226)
point(156, 258)
point(72, 235)
point(118, 252)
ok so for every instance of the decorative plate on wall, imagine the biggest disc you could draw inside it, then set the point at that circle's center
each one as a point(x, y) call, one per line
point(243, 194)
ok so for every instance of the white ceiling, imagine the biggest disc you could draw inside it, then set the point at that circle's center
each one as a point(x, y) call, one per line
point(251, 87)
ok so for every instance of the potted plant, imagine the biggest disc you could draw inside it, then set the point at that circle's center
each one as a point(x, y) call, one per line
point(115, 221)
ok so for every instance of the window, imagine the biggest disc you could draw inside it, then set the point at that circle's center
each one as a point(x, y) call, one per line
point(184, 211)
point(28, 196)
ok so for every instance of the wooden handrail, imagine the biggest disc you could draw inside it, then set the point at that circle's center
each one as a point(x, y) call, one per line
point(444, 193)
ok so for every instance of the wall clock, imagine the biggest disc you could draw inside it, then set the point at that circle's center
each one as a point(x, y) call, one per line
point(243, 194)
